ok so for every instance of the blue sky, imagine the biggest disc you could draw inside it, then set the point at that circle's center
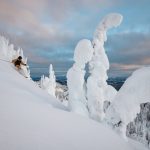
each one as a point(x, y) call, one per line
point(49, 30)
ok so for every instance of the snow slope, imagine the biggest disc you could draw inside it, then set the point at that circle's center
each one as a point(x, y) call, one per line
point(30, 119)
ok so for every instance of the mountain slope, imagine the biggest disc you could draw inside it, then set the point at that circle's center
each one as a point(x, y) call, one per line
point(30, 119)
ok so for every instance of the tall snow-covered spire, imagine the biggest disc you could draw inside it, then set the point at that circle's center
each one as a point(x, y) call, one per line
point(109, 21)
point(98, 66)
point(51, 73)
point(4, 43)
point(49, 84)
point(75, 77)
point(52, 78)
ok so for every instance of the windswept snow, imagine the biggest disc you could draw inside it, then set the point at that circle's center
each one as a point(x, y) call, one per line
point(32, 119)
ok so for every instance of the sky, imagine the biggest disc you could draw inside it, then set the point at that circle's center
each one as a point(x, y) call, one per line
point(48, 31)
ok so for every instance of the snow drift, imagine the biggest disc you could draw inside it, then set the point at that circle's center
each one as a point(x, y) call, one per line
point(30, 119)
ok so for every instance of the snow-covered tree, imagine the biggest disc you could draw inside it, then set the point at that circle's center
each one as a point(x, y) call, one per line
point(139, 128)
point(11, 52)
point(49, 84)
point(126, 104)
point(96, 83)
point(75, 77)
point(4, 44)
point(52, 79)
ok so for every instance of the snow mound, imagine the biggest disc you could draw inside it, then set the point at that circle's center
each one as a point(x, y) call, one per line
point(32, 119)
point(110, 93)
point(126, 104)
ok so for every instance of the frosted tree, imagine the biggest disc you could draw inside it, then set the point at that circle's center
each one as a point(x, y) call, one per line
point(75, 77)
point(44, 83)
point(98, 66)
point(4, 44)
point(52, 80)
point(11, 52)
point(126, 104)
point(7, 51)
point(49, 84)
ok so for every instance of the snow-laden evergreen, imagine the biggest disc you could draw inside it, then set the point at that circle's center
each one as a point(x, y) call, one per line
point(139, 128)
point(126, 104)
point(96, 83)
point(52, 79)
point(8, 53)
point(75, 77)
point(49, 83)
point(93, 93)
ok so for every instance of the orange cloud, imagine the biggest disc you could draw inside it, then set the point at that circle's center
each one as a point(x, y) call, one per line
point(125, 66)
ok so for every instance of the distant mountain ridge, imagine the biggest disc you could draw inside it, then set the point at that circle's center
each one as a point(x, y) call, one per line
point(116, 82)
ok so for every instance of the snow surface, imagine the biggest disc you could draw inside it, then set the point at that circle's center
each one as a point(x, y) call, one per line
point(32, 119)
point(110, 93)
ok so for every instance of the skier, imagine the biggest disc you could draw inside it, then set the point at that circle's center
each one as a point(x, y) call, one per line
point(18, 62)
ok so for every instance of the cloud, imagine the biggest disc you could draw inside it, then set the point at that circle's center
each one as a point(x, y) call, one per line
point(23, 18)
point(128, 51)
point(58, 9)
point(48, 30)
point(24, 28)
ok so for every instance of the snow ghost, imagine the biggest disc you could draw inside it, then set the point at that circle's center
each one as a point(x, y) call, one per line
point(75, 77)
point(49, 84)
point(4, 44)
point(109, 21)
point(98, 66)
point(52, 79)
point(126, 104)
